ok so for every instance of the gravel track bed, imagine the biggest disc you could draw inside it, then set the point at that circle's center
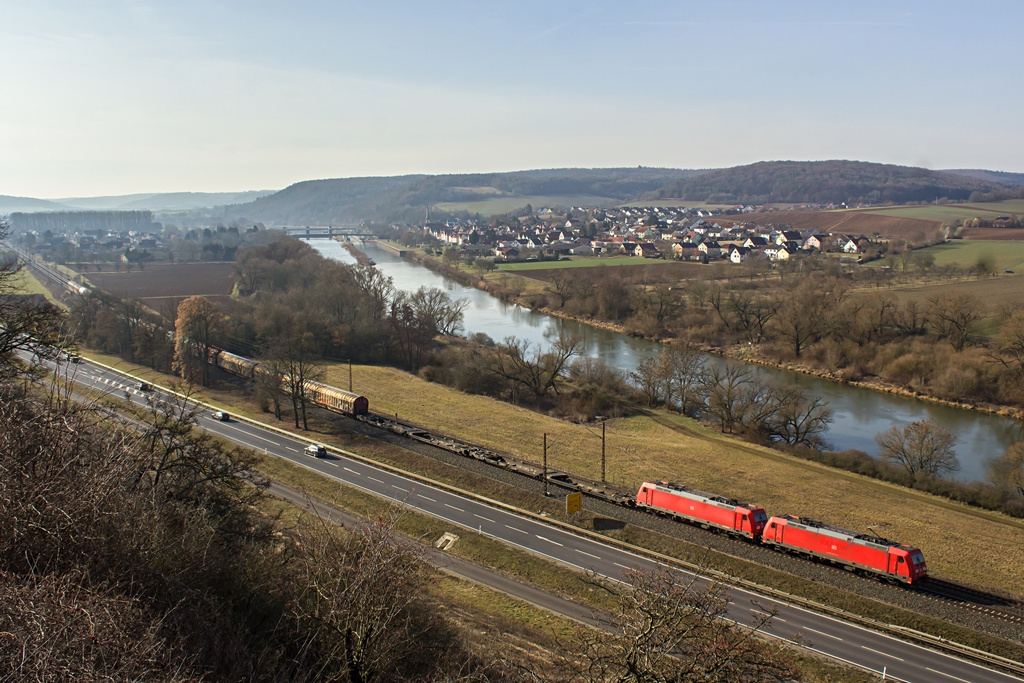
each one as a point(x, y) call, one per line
point(806, 569)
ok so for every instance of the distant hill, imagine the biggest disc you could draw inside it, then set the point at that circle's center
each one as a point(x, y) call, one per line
point(348, 200)
point(26, 204)
point(823, 182)
point(161, 201)
point(1001, 177)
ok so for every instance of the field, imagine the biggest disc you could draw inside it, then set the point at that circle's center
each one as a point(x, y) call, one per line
point(963, 543)
point(162, 281)
point(967, 253)
point(950, 213)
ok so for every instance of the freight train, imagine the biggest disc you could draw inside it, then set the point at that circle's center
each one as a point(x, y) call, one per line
point(857, 552)
point(322, 394)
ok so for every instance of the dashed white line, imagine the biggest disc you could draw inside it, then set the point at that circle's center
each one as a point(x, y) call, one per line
point(941, 673)
point(453, 507)
point(396, 486)
point(821, 633)
point(349, 469)
point(621, 565)
point(426, 497)
point(486, 519)
point(328, 462)
point(767, 614)
point(515, 529)
point(375, 479)
point(584, 552)
point(879, 652)
point(548, 540)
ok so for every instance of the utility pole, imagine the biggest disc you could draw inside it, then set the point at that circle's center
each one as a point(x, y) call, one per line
point(603, 461)
point(350, 375)
point(545, 464)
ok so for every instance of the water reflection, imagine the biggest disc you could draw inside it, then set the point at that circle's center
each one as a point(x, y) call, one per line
point(859, 413)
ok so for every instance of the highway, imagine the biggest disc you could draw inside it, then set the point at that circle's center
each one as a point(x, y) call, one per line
point(898, 660)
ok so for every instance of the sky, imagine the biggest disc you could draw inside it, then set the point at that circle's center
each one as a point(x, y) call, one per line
point(109, 97)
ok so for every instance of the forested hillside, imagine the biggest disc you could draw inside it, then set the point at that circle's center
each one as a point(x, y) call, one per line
point(406, 198)
point(824, 182)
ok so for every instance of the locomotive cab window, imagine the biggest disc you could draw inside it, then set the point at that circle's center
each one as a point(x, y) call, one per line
point(900, 560)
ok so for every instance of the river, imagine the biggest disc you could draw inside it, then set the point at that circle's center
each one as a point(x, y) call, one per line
point(859, 413)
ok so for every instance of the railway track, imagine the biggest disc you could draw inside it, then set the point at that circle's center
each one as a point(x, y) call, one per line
point(990, 605)
point(1000, 607)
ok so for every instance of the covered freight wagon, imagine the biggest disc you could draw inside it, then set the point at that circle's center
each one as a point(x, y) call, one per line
point(848, 548)
point(705, 509)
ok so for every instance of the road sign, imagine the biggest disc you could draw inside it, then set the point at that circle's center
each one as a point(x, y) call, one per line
point(573, 503)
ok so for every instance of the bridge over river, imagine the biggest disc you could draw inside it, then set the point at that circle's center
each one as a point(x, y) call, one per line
point(313, 232)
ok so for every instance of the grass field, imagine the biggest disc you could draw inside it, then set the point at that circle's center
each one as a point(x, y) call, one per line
point(967, 253)
point(950, 213)
point(961, 543)
point(26, 283)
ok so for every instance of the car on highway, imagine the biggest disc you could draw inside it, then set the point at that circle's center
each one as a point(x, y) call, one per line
point(316, 450)
point(143, 386)
point(222, 416)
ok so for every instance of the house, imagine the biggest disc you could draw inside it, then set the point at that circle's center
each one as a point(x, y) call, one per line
point(816, 241)
point(647, 250)
point(506, 253)
point(790, 236)
point(755, 242)
point(739, 254)
point(712, 248)
point(687, 251)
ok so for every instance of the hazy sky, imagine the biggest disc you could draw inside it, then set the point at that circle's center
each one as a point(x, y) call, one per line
point(115, 97)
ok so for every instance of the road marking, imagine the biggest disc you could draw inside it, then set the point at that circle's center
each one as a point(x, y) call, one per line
point(453, 507)
point(352, 471)
point(548, 540)
point(821, 633)
point(621, 565)
point(396, 486)
point(247, 433)
point(374, 478)
point(328, 462)
point(941, 673)
point(426, 497)
point(515, 529)
point(879, 652)
point(484, 518)
point(767, 614)
point(584, 552)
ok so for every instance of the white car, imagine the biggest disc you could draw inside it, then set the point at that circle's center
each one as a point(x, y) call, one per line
point(222, 416)
point(316, 450)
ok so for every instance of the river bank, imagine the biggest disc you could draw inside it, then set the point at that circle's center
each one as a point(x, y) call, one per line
point(737, 352)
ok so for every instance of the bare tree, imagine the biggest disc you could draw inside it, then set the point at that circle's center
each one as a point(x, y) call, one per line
point(923, 449)
point(798, 418)
point(294, 357)
point(1008, 470)
point(195, 331)
point(667, 630)
point(682, 369)
point(955, 315)
point(648, 380)
point(363, 603)
point(538, 373)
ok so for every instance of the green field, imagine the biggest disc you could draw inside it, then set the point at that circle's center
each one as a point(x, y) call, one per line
point(579, 262)
point(950, 213)
point(1002, 255)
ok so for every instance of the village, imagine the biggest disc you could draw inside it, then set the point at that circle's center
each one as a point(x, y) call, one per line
point(675, 233)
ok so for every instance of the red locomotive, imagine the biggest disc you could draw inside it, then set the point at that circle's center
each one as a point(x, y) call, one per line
point(705, 509)
point(848, 548)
